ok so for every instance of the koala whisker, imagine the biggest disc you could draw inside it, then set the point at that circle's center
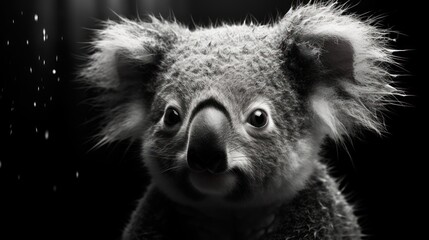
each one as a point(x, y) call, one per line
point(239, 161)
point(171, 169)
point(238, 158)
point(236, 148)
point(160, 155)
point(164, 149)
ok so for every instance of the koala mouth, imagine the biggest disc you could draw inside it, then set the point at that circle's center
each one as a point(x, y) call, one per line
point(213, 184)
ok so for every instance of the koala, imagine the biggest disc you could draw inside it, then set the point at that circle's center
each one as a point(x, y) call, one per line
point(232, 118)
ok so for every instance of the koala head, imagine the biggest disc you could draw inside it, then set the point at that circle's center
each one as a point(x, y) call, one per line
point(236, 114)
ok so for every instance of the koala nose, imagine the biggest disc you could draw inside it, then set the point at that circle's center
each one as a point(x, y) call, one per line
point(207, 147)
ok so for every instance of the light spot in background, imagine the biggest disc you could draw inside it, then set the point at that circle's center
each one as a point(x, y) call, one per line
point(0, 164)
point(58, 79)
point(7, 42)
point(54, 71)
point(18, 177)
point(36, 17)
point(34, 104)
point(44, 62)
point(31, 70)
point(77, 174)
point(27, 42)
point(45, 37)
point(46, 134)
point(37, 130)
point(54, 188)
point(56, 58)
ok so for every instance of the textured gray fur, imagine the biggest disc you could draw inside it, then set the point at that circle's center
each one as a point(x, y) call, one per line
point(318, 71)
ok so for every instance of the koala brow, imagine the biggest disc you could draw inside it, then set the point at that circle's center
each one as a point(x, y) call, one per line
point(212, 103)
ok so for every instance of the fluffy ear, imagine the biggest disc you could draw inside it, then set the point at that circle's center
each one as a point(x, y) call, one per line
point(340, 64)
point(125, 59)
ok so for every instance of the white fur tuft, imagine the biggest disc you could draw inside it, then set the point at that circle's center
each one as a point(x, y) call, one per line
point(370, 89)
point(120, 50)
point(138, 42)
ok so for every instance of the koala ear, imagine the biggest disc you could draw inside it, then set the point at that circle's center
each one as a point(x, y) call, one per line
point(126, 57)
point(340, 65)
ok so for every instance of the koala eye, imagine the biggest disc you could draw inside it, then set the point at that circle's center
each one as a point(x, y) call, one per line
point(171, 117)
point(258, 118)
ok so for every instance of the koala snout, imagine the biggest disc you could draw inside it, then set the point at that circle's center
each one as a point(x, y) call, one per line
point(207, 144)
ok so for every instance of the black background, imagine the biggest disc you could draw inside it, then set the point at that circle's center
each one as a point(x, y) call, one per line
point(53, 186)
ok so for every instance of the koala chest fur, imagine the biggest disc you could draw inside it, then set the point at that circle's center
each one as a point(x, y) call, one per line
point(231, 119)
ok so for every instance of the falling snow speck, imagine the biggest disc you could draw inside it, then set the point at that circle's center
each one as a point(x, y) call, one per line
point(37, 130)
point(38, 57)
point(10, 132)
point(77, 174)
point(56, 58)
point(0, 164)
point(46, 134)
point(28, 42)
point(13, 21)
point(7, 42)
point(44, 34)
point(50, 98)
point(36, 17)
point(58, 79)
point(38, 88)
point(31, 70)
point(54, 71)
point(34, 104)
point(44, 62)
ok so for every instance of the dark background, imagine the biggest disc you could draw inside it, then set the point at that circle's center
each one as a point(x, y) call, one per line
point(53, 186)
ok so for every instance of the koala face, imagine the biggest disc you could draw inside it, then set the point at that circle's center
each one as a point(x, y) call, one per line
point(226, 122)
point(236, 114)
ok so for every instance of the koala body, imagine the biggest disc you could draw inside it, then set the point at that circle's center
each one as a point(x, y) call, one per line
point(232, 119)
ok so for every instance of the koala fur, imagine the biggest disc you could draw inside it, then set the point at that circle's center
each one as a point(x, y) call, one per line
point(316, 72)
